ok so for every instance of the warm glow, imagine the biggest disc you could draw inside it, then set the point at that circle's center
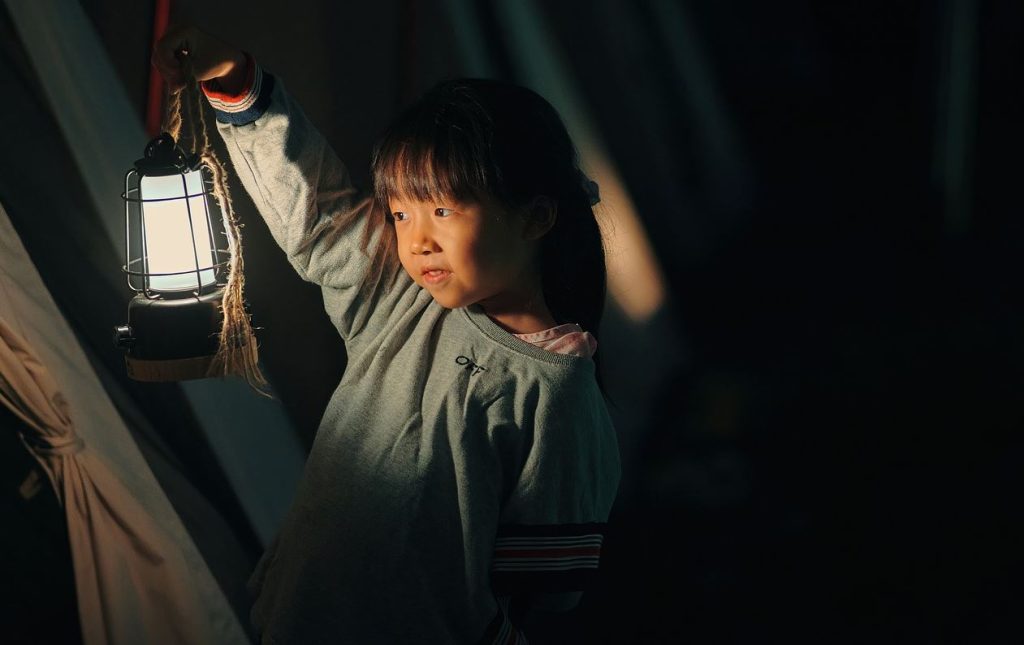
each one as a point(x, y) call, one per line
point(168, 240)
point(634, 277)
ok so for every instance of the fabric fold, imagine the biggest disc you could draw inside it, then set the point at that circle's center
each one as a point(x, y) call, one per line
point(132, 584)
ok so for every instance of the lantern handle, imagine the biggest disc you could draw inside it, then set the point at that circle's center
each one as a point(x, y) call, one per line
point(163, 155)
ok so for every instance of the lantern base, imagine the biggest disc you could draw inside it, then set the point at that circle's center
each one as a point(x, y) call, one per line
point(183, 369)
point(172, 339)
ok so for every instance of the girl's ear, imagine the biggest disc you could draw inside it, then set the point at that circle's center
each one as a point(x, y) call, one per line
point(540, 217)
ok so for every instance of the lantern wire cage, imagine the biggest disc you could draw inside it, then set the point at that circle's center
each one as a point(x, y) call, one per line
point(136, 268)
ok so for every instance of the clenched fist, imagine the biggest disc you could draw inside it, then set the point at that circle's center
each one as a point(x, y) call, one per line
point(211, 59)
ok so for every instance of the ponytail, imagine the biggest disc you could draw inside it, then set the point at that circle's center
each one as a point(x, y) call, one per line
point(572, 256)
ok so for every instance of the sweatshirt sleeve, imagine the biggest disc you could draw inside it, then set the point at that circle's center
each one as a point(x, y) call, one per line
point(552, 525)
point(305, 194)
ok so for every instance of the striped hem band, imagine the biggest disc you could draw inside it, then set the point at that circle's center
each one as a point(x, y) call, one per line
point(560, 557)
point(501, 631)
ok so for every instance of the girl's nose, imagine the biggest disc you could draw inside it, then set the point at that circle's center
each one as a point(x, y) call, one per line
point(422, 243)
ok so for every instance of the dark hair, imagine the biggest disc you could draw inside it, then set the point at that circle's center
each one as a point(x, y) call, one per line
point(470, 138)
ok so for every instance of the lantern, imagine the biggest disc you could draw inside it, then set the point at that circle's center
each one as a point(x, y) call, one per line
point(172, 264)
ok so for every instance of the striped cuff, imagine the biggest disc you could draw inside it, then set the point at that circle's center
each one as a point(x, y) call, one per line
point(250, 103)
point(546, 558)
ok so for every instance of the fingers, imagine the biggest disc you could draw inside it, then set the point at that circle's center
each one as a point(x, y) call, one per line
point(165, 62)
point(171, 74)
point(166, 55)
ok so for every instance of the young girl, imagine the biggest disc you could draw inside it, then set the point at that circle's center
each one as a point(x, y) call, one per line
point(466, 464)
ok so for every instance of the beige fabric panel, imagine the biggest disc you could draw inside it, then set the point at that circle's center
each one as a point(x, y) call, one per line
point(138, 575)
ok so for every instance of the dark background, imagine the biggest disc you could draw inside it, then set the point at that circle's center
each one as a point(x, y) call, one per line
point(821, 425)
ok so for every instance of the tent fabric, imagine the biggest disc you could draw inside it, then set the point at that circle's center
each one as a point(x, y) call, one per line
point(139, 576)
point(103, 135)
point(81, 266)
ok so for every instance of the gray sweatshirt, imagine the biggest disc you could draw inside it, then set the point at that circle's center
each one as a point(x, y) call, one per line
point(456, 466)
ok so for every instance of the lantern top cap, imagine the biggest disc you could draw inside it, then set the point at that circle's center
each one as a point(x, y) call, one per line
point(163, 156)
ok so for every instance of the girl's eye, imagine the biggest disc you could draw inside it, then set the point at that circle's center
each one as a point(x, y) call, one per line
point(399, 216)
point(442, 212)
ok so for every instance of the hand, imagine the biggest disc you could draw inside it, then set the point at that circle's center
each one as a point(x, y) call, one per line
point(211, 59)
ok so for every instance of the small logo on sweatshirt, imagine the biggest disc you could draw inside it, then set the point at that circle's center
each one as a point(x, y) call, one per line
point(470, 366)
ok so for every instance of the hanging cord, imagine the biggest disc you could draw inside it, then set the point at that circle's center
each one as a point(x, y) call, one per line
point(237, 352)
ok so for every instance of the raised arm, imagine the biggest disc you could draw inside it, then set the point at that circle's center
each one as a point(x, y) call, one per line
point(300, 187)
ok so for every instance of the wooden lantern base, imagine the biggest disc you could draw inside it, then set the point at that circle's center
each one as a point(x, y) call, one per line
point(181, 369)
point(174, 339)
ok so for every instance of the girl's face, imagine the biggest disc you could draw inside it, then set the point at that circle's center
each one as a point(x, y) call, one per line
point(464, 253)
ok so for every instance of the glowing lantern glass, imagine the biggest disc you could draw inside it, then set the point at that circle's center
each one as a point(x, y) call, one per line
point(176, 234)
point(172, 264)
point(168, 228)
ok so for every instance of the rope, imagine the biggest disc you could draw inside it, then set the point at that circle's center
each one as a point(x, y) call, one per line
point(237, 352)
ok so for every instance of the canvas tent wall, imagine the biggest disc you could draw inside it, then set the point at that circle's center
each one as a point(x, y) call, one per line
point(60, 231)
point(139, 577)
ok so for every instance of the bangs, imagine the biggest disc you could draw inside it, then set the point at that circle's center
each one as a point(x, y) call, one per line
point(434, 152)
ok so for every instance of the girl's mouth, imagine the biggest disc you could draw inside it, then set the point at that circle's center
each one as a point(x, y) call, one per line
point(435, 276)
